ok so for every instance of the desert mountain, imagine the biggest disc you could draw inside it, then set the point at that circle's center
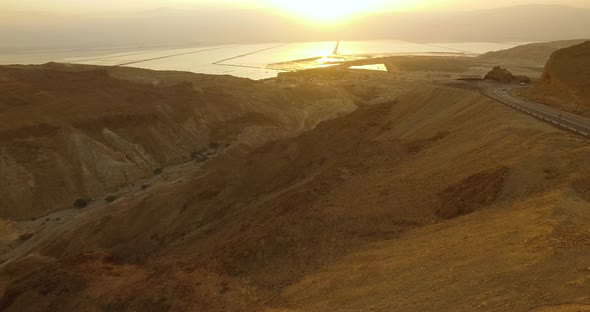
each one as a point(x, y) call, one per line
point(565, 83)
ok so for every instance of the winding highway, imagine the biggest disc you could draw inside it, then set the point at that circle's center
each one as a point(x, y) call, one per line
point(503, 94)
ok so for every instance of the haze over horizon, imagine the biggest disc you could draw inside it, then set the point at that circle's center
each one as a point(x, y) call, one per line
point(112, 6)
point(65, 24)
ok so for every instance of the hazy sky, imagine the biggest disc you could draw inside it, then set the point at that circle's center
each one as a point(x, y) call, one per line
point(40, 24)
point(306, 7)
point(326, 12)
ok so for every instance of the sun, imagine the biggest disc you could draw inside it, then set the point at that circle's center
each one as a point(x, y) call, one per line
point(327, 11)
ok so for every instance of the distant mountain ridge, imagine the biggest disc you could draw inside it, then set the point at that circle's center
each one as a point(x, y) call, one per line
point(535, 54)
point(527, 23)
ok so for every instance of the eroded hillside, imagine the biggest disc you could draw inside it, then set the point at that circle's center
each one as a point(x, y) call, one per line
point(426, 198)
point(76, 132)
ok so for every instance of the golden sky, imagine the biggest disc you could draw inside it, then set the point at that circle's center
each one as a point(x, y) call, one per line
point(323, 10)
point(40, 24)
point(299, 5)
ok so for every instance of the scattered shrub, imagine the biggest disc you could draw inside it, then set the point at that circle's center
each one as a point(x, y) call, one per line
point(25, 237)
point(81, 203)
point(158, 171)
point(110, 199)
point(145, 186)
point(214, 145)
point(198, 157)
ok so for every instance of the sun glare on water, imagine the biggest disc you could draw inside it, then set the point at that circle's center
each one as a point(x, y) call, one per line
point(328, 11)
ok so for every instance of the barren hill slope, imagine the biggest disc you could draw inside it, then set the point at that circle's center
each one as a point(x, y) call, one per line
point(69, 132)
point(441, 200)
point(566, 80)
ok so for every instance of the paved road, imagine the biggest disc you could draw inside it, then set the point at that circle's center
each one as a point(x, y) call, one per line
point(502, 93)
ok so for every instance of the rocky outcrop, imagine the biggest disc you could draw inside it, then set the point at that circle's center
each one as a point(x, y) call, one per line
point(503, 75)
point(565, 82)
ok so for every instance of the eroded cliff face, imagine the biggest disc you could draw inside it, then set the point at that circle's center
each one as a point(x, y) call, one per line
point(565, 82)
point(70, 132)
point(49, 170)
